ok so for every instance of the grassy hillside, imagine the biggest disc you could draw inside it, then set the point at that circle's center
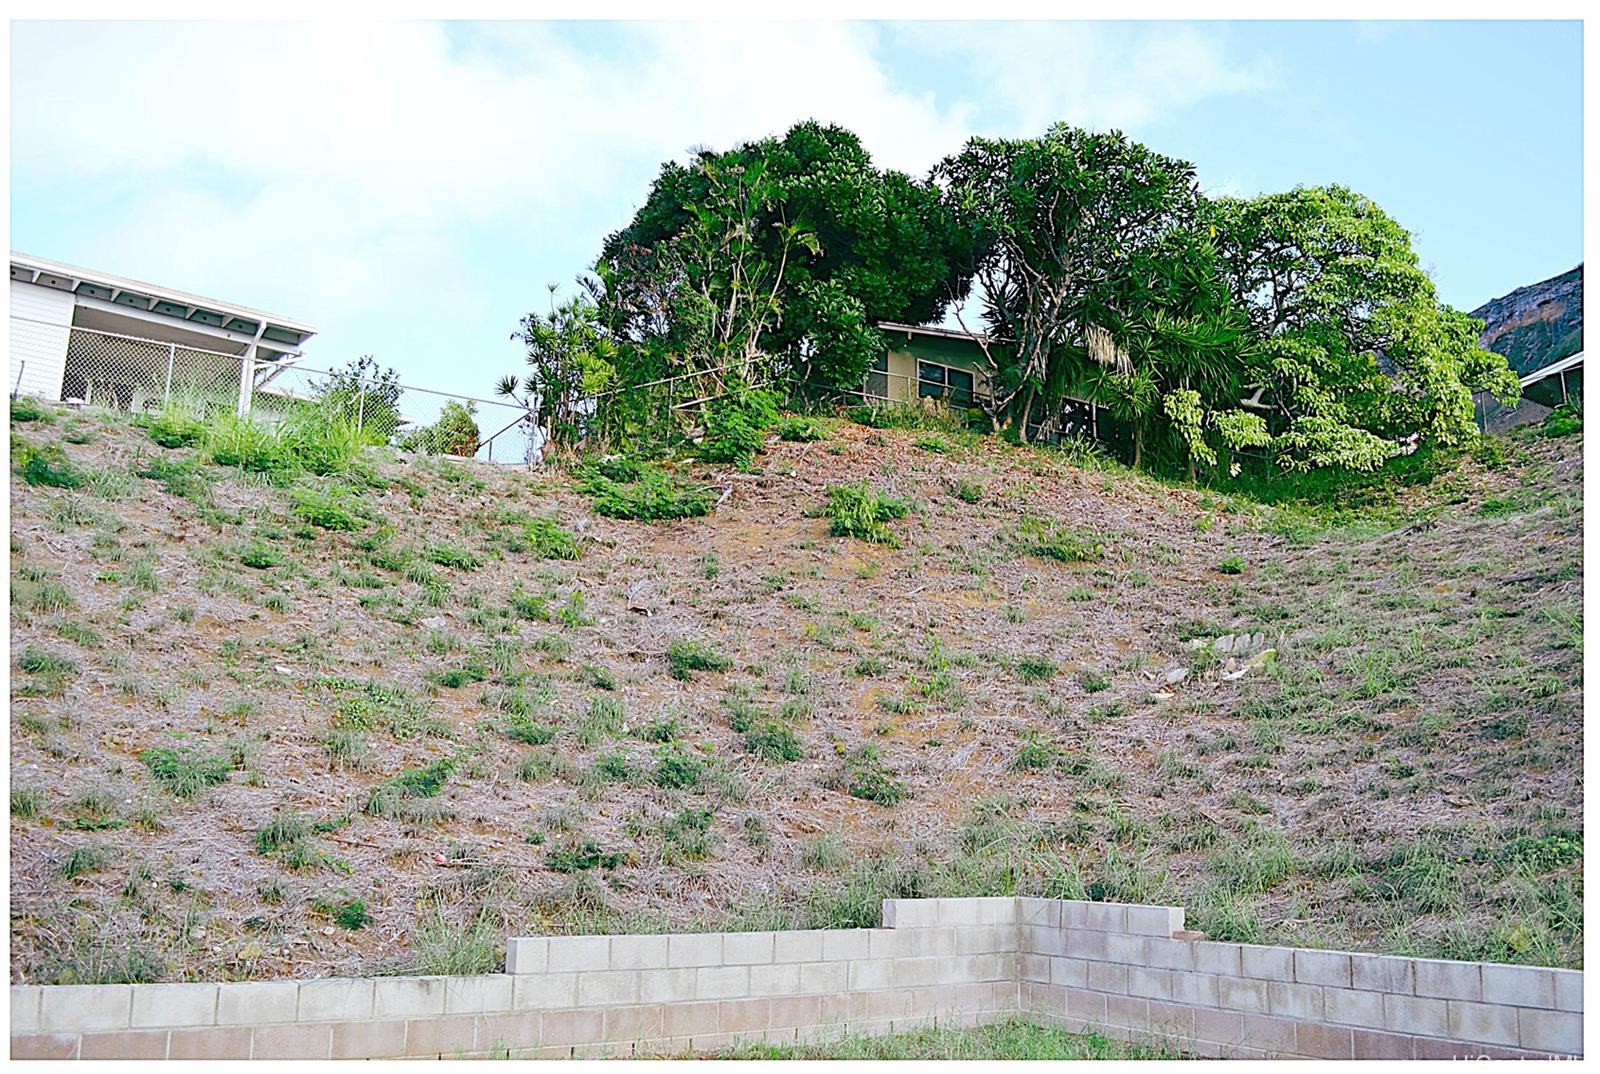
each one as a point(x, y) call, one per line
point(268, 723)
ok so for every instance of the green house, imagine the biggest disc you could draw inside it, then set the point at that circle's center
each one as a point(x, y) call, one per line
point(928, 363)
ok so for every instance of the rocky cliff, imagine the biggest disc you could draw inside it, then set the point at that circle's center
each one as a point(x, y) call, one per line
point(1537, 324)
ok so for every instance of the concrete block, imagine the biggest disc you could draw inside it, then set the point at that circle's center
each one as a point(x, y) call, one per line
point(844, 944)
point(338, 999)
point(1071, 972)
point(910, 913)
point(1519, 986)
point(45, 1045)
point(85, 1007)
point(747, 948)
point(1569, 989)
point(1169, 954)
point(1267, 963)
point(1221, 1027)
point(1448, 980)
point(1554, 1032)
point(1322, 968)
point(666, 986)
point(573, 954)
point(1416, 1015)
point(188, 1005)
point(1295, 1000)
point(694, 1020)
point(996, 910)
point(926, 972)
point(1353, 1007)
point(1085, 1006)
point(222, 1042)
point(1172, 1019)
point(638, 952)
point(291, 1042)
point(1034, 967)
point(1160, 921)
point(1128, 948)
point(824, 977)
point(800, 946)
point(888, 943)
point(796, 1011)
point(124, 1044)
point(544, 991)
point(478, 995)
point(369, 1040)
point(1272, 1036)
point(444, 1037)
point(744, 1015)
point(942, 940)
point(608, 988)
point(1317, 1041)
point(257, 1002)
point(1131, 1012)
point(1486, 1023)
point(25, 1001)
point(630, 1025)
point(866, 974)
point(405, 997)
point(1149, 983)
point(1370, 1044)
point(514, 1031)
point(1383, 973)
point(776, 979)
point(722, 982)
point(528, 954)
point(1105, 917)
point(568, 1028)
point(1106, 976)
point(1244, 994)
point(1196, 989)
point(1045, 913)
point(1219, 958)
point(1085, 943)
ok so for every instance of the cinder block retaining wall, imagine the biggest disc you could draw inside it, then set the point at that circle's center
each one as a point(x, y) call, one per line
point(1115, 969)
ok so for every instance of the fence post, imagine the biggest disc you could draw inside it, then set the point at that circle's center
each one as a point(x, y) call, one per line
point(246, 377)
point(166, 393)
point(361, 404)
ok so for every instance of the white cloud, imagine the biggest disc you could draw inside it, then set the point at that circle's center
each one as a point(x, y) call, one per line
point(345, 173)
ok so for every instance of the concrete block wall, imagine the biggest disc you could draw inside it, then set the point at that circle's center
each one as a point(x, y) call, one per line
point(946, 961)
point(1132, 972)
point(1124, 971)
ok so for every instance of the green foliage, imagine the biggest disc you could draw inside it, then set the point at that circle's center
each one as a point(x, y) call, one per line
point(855, 510)
point(676, 769)
point(1051, 540)
point(48, 466)
point(1036, 668)
point(455, 433)
point(686, 656)
point(651, 494)
point(331, 510)
point(1565, 420)
point(449, 555)
point(737, 424)
point(572, 359)
point(425, 782)
point(801, 430)
point(260, 556)
point(184, 772)
point(1232, 565)
point(869, 778)
point(363, 396)
point(28, 409)
point(174, 427)
point(772, 740)
point(583, 855)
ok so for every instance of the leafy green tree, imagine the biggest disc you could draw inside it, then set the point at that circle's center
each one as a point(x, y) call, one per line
point(364, 393)
point(571, 359)
point(1064, 227)
point(1354, 355)
point(780, 253)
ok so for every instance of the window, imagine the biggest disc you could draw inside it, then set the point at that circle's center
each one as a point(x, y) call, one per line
point(942, 382)
point(878, 379)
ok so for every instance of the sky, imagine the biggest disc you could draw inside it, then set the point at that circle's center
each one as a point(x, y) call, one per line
point(411, 188)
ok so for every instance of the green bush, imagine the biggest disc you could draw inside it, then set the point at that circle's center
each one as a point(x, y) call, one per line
point(736, 426)
point(174, 427)
point(857, 511)
point(801, 430)
point(869, 778)
point(50, 466)
point(327, 510)
point(260, 556)
point(1049, 540)
point(455, 433)
point(773, 741)
point(676, 768)
point(1232, 565)
point(1036, 668)
point(686, 656)
point(583, 855)
point(1566, 420)
point(653, 495)
point(449, 555)
point(30, 409)
point(547, 540)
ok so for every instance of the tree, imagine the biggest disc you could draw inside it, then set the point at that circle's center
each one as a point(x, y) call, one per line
point(455, 433)
point(780, 255)
point(1354, 355)
point(365, 394)
point(572, 360)
point(1063, 226)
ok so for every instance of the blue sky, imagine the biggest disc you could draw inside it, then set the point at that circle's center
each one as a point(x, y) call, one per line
point(410, 188)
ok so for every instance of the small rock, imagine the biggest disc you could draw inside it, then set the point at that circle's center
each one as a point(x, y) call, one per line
point(1175, 675)
point(436, 622)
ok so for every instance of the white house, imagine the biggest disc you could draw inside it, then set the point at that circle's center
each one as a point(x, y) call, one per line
point(79, 334)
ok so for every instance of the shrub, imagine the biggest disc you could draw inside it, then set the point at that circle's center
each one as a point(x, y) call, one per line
point(686, 656)
point(1566, 420)
point(966, 491)
point(773, 741)
point(1036, 668)
point(326, 510)
point(185, 773)
point(1048, 540)
point(260, 556)
point(654, 495)
point(1231, 565)
point(1037, 754)
point(856, 511)
point(351, 915)
point(736, 426)
point(235, 441)
point(676, 769)
point(869, 778)
point(547, 540)
point(449, 555)
point(520, 728)
point(801, 430)
point(455, 433)
point(50, 466)
point(583, 855)
point(174, 427)
point(30, 409)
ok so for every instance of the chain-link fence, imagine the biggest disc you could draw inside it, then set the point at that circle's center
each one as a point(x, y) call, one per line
point(104, 369)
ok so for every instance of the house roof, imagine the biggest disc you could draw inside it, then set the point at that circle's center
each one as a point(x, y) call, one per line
point(938, 333)
point(1560, 366)
point(155, 298)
